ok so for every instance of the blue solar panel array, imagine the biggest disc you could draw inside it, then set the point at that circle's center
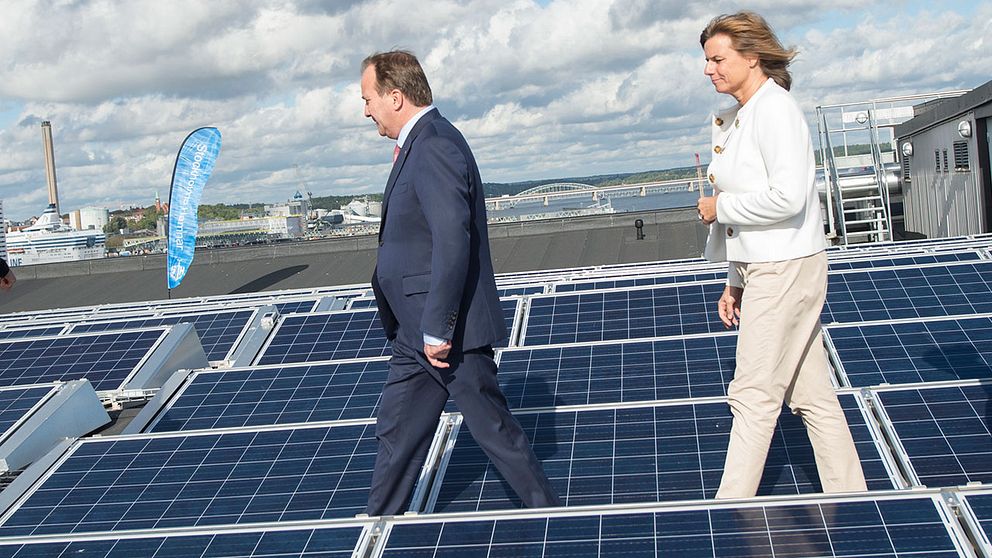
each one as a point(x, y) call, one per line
point(623, 395)
point(690, 367)
point(276, 395)
point(852, 297)
point(325, 542)
point(884, 528)
point(644, 454)
point(334, 336)
point(842, 265)
point(943, 290)
point(946, 432)
point(631, 314)
point(917, 351)
point(30, 332)
point(105, 359)
point(338, 336)
point(218, 331)
point(206, 479)
point(979, 505)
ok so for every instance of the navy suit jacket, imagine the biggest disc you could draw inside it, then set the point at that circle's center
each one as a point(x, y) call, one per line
point(434, 272)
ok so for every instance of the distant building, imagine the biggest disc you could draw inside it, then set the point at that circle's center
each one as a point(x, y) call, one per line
point(945, 151)
point(297, 206)
point(135, 214)
point(363, 208)
point(273, 226)
point(95, 218)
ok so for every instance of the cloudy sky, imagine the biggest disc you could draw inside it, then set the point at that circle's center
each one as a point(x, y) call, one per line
point(541, 88)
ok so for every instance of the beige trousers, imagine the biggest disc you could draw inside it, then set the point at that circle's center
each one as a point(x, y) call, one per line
point(780, 357)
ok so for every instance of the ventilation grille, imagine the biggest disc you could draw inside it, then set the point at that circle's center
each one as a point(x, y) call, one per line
point(961, 162)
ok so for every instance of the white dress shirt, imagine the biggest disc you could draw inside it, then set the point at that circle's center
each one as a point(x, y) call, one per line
point(763, 167)
point(405, 130)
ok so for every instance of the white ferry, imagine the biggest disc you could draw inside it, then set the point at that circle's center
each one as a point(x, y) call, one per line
point(50, 241)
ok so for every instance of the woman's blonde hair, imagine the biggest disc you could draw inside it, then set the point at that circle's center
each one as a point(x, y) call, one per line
point(751, 35)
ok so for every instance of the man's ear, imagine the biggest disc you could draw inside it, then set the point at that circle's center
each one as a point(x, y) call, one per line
point(398, 99)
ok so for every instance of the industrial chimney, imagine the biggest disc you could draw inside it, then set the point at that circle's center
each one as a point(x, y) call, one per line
point(53, 191)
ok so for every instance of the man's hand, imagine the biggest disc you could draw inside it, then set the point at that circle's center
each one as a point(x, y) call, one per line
point(729, 306)
point(437, 353)
point(7, 281)
point(706, 208)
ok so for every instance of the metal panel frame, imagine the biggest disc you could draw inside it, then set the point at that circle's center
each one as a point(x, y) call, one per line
point(71, 410)
point(970, 521)
point(179, 348)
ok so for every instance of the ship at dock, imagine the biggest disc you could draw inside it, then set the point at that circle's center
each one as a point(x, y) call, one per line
point(49, 239)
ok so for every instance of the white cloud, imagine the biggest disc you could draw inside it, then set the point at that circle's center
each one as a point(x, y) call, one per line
point(569, 88)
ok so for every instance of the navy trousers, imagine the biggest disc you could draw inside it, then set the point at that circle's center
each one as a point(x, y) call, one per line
point(412, 400)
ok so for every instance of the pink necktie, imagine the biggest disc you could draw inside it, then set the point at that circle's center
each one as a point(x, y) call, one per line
point(396, 152)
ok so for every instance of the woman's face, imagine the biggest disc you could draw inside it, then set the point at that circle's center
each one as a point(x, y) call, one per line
point(728, 69)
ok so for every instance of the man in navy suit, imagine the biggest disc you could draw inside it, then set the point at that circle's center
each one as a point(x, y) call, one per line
point(436, 294)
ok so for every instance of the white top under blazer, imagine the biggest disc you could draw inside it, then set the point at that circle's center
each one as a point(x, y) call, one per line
point(763, 167)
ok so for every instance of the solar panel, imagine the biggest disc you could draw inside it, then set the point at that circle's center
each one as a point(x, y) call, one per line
point(275, 395)
point(361, 303)
point(889, 294)
point(912, 526)
point(645, 454)
point(907, 260)
point(338, 336)
point(917, 351)
point(296, 307)
point(632, 314)
point(105, 359)
point(667, 277)
point(943, 432)
point(979, 507)
point(325, 542)
point(853, 296)
point(240, 477)
point(218, 331)
point(618, 372)
point(15, 403)
point(600, 284)
point(330, 336)
point(31, 332)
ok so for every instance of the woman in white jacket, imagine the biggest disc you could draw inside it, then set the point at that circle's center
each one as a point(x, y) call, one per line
point(764, 218)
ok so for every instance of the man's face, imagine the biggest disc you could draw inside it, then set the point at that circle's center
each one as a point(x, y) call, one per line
point(380, 108)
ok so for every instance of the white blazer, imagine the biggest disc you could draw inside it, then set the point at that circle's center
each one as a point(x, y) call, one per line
point(763, 168)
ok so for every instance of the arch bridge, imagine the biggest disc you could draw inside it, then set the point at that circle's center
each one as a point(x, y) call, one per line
point(555, 188)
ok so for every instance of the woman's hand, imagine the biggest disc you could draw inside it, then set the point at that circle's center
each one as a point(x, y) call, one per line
point(729, 306)
point(706, 208)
